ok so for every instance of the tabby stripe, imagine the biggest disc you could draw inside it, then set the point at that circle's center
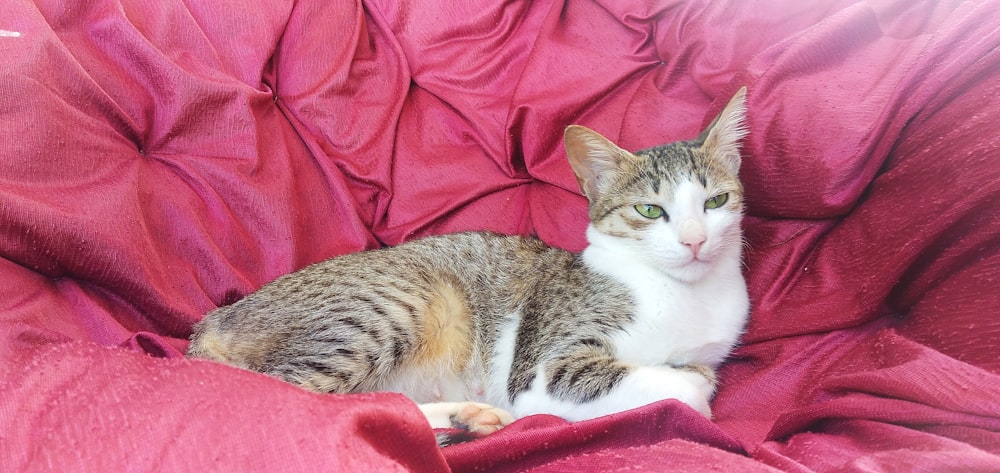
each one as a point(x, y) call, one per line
point(313, 365)
point(354, 323)
point(409, 308)
point(372, 305)
point(608, 212)
point(345, 352)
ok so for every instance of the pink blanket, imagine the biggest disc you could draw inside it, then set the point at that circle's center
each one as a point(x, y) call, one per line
point(158, 159)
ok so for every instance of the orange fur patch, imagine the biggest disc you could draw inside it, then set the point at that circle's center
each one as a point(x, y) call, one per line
point(447, 328)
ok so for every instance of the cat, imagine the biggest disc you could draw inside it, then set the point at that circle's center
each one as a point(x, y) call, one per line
point(480, 328)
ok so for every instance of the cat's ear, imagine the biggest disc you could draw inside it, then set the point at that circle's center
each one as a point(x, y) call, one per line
point(721, 139)
point(594, 159)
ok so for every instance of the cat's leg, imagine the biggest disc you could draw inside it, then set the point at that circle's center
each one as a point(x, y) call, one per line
point(475, 417)
point(585, 386)
point(693, 385)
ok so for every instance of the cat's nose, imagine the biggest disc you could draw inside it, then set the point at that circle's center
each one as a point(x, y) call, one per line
point(694, 247)
point(693, 235)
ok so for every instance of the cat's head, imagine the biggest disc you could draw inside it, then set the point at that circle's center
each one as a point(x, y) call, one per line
point(678, 205)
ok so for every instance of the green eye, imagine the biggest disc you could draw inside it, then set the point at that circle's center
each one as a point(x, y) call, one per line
point(649, 211)
point(717, 201)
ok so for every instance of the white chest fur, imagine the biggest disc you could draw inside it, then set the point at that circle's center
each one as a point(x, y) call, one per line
point(677, 322)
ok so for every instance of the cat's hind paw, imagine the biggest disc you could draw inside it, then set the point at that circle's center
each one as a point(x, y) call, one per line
point(481, 418)
point(475, 417)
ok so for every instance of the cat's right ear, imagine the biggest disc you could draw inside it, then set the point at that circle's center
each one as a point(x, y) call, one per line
point(594, 159)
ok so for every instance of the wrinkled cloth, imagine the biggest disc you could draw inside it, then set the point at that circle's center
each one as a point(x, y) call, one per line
point(160, 159)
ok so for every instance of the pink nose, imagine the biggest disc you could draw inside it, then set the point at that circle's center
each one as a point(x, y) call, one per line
point(692, 234)
point(695, 246)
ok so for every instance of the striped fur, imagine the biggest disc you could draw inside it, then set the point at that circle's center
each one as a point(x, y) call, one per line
point(647, 312)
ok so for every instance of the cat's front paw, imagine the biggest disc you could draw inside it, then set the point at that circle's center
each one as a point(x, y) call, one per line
point(703, 380)
point(704, 370)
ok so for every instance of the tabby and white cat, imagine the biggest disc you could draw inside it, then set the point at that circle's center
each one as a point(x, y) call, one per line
point(479, 326)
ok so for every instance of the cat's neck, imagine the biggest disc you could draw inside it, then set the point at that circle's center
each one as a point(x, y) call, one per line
point(663, 330)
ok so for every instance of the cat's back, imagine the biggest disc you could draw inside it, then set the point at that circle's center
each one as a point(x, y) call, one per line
point(462, 282)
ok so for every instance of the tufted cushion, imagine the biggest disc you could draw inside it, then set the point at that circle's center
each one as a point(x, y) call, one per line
point(159, 159)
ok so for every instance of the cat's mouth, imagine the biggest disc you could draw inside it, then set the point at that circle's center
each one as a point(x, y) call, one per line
point(689, 257)
point(699, 259)
point(682, 261)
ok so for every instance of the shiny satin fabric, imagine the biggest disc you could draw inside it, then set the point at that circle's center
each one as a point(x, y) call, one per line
point(158, 159)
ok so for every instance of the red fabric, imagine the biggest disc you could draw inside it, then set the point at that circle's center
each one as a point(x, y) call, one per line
point(158, 159)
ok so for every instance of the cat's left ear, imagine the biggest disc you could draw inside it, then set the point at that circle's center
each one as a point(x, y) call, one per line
point(594, 159)
point(721, 139)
